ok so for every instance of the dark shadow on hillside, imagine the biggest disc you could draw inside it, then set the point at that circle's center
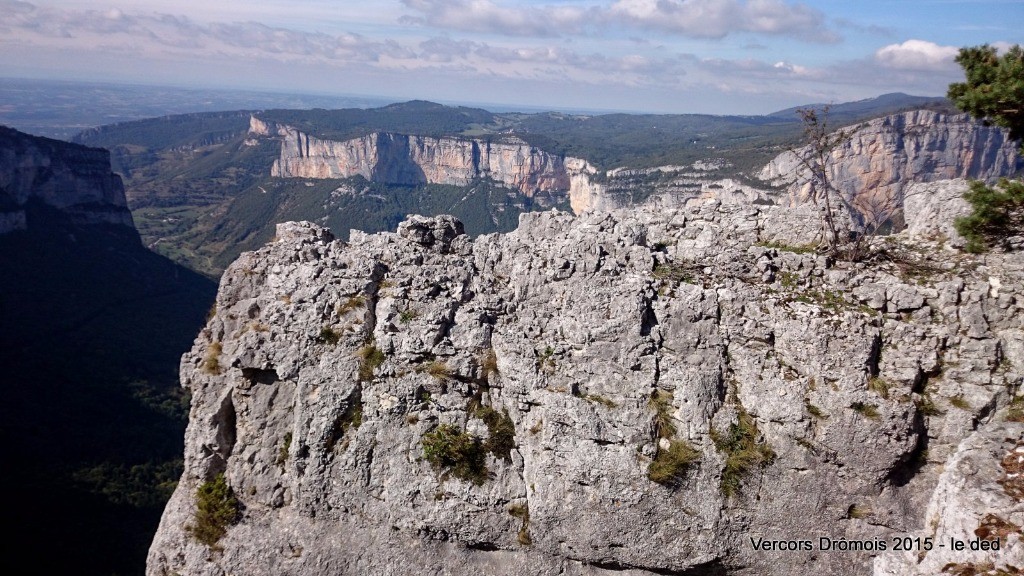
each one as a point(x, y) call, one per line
point(92, 326)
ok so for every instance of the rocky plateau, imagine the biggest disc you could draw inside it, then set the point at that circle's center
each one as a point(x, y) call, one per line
point(817, 398)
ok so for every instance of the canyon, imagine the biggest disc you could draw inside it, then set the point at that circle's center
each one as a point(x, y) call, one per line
point(871, 166)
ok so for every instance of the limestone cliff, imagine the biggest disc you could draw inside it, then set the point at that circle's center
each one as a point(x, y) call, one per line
point(408, 159)
point(645, 392)
point(882, 156)
point(74, 179)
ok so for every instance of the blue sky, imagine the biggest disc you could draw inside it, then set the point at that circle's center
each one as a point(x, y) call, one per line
point(708, 56)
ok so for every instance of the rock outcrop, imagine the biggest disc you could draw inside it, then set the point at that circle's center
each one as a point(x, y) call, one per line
point(883, 156)
point(74, 179)
point(670, 391)
point(405, 159)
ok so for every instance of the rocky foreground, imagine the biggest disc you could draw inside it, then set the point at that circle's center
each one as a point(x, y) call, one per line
point(647, 392)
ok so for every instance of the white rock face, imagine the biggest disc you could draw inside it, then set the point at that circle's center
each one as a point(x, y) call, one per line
point(405, 159)
point(864, 381)
point(584, 194)
point(884, 155)
point(930, 209)
point(971, 503)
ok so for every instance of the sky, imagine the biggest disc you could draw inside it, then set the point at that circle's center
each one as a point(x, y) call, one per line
point(662, 56)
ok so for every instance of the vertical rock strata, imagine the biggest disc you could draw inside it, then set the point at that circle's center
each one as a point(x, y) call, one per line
point(327, 363)
point(408, 160)
point(883, 156)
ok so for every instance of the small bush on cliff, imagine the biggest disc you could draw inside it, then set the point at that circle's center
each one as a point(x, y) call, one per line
point(998, 212)
point(502, 432)
point(216, 510)
point(329, 336)
point(455, 452)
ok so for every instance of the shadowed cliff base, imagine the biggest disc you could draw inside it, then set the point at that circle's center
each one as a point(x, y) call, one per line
point(93, 325)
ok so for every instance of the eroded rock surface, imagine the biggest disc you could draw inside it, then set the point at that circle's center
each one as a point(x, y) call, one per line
point(326, 364)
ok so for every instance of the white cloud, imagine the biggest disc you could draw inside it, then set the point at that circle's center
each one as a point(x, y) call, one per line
point(719, 18)
point(917, 55)
point(688, 18)
point(1002, 47)
point(486, 16)
point(163, 34)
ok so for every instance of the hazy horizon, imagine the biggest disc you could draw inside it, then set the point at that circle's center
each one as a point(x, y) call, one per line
point(658, 56)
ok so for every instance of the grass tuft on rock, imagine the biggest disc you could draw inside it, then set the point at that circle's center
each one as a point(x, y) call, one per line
point(744, 452)
point(453, 451)
point(1016, 411)
point(282, 454)
point(669, 466)
point(329, 336)
point(522, 512)
point(438, 369)
point(661, 403)
point(489, 362)
point(371, 358)
point(211, 362)
point(879, 386)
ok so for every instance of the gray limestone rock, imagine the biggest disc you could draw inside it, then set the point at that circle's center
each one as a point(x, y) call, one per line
point(815, 399)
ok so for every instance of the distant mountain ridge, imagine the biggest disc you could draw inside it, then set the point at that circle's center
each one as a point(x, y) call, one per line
point(881, 105)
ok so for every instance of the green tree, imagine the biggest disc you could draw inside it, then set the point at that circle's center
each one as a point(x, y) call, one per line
point(993, 92)
point(998, 212)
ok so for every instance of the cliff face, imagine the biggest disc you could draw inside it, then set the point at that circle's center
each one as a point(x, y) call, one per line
point(74, 179)
point(407, 160)
point(884, 155)
point(819, 399)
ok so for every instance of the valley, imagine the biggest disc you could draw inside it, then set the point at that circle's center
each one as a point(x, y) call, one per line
point(202, 186)
point(657, 211)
